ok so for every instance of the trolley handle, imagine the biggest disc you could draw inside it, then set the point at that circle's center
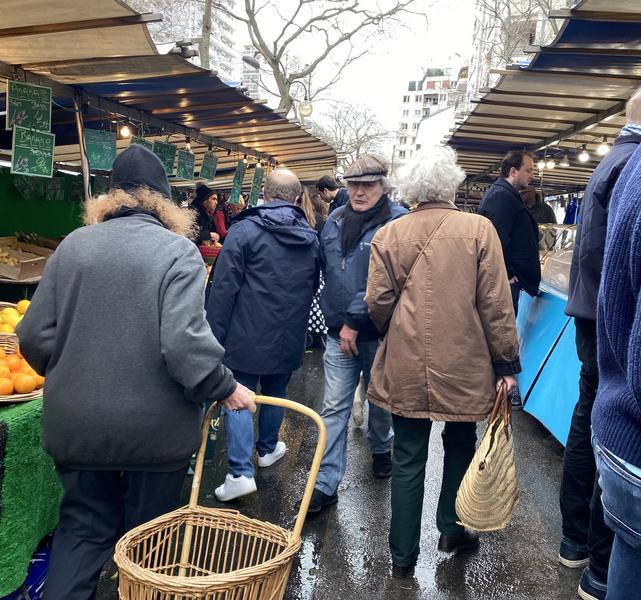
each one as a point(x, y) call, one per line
point(313, 473)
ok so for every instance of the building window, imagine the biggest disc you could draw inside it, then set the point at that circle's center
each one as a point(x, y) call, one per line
point(402, 141)
point(401, 153)
point(406, 99)
point(418, 113)
point(414, 125)
point(403, 126)
point(406, 113)
point(426, 112)
point(417, 98)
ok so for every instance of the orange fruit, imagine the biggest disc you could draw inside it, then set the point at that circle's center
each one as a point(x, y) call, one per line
point(4, 370)
point(23, 383)
point(2, 353)
point(18, 353)
point(13, 362)
point(40, 381)
point(6, 386)
point(22, 306)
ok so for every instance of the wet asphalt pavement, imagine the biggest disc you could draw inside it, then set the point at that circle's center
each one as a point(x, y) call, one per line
point(344, 553)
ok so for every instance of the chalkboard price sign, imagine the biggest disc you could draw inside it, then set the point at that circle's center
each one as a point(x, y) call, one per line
point(209, 166)
point(101, 149)
point(28, 106)
point(237, 184)
point(257, 183)
point(142, 142)
point(186, 164)
point(32, 152)
point(167, 154)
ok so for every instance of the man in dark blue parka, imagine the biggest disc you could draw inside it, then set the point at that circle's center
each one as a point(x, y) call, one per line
point(261, 294)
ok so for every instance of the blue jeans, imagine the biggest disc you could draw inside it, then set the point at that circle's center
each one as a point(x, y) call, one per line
point(239, 426)
point(621, 497)
point(341, 380)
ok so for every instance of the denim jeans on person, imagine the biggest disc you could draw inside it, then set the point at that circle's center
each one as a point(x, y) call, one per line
point(580, 497)
point(342, 374)
point(239, 426)
point(621, 497)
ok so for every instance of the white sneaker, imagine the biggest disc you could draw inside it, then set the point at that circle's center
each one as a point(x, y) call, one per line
point(235, 487)
point(269, 459)
point(357, 406)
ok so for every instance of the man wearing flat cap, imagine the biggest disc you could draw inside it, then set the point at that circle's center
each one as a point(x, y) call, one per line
point(352, 337)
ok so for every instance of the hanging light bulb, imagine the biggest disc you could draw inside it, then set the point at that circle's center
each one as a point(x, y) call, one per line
point(188, 144)
point(603, 148)
point(584, 156)
point(564, 161)
point(541, 165)
point(125, 132)
point(550, 164)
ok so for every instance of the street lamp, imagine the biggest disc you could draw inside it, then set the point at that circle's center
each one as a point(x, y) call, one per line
point(305, 107)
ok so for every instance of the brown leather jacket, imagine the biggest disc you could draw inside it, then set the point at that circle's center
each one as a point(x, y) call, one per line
point(447, 318)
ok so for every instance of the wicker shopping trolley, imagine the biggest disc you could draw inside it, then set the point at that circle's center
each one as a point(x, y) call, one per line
point(213, 554)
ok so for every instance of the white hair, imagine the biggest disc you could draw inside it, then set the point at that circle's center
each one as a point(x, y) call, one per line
point(433, 176)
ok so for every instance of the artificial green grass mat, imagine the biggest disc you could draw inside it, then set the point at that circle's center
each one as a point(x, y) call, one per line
point(29, 495)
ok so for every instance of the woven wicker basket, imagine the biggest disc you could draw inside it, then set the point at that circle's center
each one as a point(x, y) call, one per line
point(213, 554)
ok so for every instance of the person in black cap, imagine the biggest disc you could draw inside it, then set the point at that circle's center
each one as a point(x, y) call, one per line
point(117, 327)
point(204, 204)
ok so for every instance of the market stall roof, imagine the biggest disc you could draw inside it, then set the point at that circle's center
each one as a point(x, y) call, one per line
point(572, 94)
point(103, 48)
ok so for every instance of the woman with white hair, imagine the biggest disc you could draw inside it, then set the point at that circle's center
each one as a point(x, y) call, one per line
point(439, 294)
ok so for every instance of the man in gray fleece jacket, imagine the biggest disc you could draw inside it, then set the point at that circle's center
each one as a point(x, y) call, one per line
point(118, 328)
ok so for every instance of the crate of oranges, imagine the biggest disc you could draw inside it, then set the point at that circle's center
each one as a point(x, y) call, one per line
point(18, 381)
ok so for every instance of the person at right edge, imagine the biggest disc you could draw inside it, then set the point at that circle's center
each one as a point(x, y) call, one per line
point(448, 343)
point(352, 338)
point(517, 229)
point(586, 540)
point(616, 417)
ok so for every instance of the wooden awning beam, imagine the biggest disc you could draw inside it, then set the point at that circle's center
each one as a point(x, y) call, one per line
point(47, 28)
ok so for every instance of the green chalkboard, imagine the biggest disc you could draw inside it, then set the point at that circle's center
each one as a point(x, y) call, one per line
point(209, 166)
point(186, 164)
point(101, 149)
point(142, 142)
point(237, 184)
point(257, 183)
point(28, 106)
point(30, 188)
point(55, 190)
point(167, 154)
point(32, 152)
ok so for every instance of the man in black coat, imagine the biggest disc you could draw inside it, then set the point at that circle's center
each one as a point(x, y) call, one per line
point(518, 231)
point(258, 307)
point(586, 539)
point(331, 192)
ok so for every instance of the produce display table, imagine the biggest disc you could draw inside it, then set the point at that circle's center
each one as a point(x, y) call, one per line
point(30, 491)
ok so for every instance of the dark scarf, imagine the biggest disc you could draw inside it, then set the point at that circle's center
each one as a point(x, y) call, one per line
point(355, 224)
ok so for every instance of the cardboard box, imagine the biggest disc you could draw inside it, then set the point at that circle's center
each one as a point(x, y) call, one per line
point(31, 259)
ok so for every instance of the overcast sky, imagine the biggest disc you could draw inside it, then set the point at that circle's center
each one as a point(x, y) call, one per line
point(380, 77)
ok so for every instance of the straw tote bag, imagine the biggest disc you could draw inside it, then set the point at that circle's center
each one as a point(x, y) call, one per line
point(489, 492)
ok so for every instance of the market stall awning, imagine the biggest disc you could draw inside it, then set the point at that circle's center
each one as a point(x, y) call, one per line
point(104, 50)
point(572, 95)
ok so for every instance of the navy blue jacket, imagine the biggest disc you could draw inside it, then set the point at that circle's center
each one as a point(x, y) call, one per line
point(616, 416)
point(518, 232)
point(343, 297)
point(589, 245)
point(341, 199)
point(262, 289)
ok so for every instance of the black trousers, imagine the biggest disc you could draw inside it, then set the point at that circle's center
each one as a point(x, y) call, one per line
point(411, 443)
point(515, 289)
point(580, 500)
point(96, 509)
